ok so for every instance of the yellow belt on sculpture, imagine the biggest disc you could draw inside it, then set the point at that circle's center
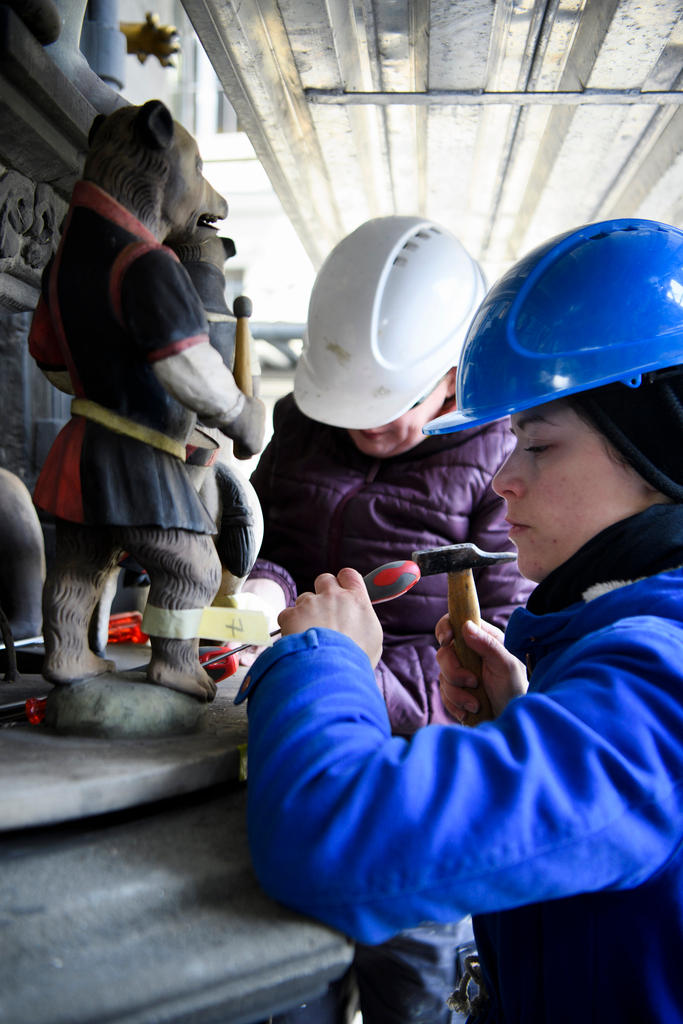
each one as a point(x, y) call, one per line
point(122, 425)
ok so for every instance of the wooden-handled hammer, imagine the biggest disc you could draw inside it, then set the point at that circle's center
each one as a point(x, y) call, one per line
point(241, 371)
point(458, 560)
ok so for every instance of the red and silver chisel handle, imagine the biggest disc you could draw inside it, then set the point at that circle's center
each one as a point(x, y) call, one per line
point(391, 580)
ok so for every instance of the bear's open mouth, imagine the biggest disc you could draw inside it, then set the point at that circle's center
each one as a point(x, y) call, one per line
point(207, 220)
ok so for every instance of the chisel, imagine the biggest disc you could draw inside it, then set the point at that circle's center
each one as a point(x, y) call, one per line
point(383, 584)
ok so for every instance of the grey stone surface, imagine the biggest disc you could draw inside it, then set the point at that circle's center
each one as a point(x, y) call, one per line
point(50, 778)
point(13, 438)
point(152, 916)
point(117, 706)
point(45, 118)
point(126, 888)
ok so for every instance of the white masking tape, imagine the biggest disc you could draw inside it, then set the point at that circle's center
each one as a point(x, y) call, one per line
point(173, 623)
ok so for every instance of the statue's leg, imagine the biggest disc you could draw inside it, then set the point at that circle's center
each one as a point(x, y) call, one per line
point(84, 558)
point(184, 572)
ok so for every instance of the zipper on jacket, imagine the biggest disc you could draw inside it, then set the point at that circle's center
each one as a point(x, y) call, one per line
point(336, 522)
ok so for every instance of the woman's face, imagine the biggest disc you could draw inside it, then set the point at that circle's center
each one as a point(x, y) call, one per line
point(562, 486)
point(405, 433)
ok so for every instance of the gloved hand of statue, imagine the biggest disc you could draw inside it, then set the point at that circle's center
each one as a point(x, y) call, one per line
point(248, 429)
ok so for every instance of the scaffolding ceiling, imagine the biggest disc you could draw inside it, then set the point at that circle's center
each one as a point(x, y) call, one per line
point(508, 121)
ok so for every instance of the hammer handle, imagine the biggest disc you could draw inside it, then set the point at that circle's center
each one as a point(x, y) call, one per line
point(463, 604)
point(242, 362)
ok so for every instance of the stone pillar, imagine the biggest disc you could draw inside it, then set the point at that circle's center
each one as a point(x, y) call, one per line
point(48, 98)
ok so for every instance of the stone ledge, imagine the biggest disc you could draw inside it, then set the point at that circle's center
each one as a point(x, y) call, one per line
point(45, 118)
point(154, 915)
point(49, 778)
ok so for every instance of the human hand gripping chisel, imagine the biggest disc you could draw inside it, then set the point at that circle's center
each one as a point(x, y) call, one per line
point(458, 560)
point(383, 584)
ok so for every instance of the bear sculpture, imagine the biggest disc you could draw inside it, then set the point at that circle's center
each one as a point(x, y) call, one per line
point(120, 326)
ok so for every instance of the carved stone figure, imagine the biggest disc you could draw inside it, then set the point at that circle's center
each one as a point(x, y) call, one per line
point(225, 491)
point(22, 558)
point(121, 326)
point(28, 237)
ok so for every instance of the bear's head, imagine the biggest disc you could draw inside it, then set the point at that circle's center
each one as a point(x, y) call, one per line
point(151, 165)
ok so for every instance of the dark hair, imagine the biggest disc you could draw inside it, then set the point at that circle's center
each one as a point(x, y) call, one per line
point(643, 424)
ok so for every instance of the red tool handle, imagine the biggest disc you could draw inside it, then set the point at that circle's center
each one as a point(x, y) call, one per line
point(126, 628)
point(391, 580)
point(222, 660)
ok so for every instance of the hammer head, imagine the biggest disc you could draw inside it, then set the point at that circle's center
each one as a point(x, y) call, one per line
point(457, 558)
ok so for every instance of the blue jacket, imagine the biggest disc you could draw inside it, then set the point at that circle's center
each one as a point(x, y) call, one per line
point(558, 826)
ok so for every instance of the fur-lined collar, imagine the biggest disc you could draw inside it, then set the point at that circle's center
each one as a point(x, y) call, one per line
point(598, 589)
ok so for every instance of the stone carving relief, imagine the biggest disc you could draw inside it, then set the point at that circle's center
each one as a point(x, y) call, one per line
point(29, 217)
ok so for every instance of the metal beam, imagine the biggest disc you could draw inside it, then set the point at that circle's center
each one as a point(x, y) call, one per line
point(474, 97)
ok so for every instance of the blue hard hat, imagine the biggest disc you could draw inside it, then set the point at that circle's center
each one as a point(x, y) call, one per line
point(597, 304)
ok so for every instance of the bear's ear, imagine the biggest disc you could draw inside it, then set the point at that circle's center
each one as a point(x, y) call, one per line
point(95, 127)
point(154, 125)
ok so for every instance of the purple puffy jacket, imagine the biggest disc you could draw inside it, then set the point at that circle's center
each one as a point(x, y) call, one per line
point(326, 505)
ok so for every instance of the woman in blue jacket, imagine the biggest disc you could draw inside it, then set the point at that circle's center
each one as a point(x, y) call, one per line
point(349, 479)
point(559, 824)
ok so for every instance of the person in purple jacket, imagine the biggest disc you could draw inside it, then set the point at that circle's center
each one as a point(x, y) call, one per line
point(349, 478)
point(559, 824)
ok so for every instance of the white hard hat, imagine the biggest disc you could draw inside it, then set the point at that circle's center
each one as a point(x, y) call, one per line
point(387, 318)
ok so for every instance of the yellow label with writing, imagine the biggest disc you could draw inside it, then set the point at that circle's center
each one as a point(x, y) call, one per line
point(242, 625)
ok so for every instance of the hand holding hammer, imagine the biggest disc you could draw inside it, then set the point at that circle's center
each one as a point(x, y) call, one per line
point(458, 560)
